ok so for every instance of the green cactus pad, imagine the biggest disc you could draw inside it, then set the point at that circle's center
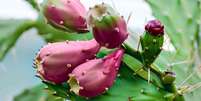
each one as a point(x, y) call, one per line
point(151, 47)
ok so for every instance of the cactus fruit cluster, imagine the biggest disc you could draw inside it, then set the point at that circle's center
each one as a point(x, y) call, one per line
point(100, 68)
point(57, 62)
point(75, 61)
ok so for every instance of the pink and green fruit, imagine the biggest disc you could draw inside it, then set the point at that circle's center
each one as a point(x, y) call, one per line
point(109, 28)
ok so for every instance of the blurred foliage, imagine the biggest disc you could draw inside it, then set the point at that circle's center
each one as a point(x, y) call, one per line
point(182, 20)
point(10, 31)
point(37, 94)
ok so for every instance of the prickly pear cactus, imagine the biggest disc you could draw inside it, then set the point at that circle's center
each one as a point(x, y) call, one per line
point(146, 74)
point(153, 83)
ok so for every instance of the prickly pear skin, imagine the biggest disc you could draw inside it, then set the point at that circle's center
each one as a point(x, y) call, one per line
point(66, 14)
point(155, 28)
point(97, 76)
point(109, 29)
point(111, 36)
point(57, 60)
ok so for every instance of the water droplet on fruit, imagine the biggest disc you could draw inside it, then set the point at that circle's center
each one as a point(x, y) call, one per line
point(53, 6)
point(107, 44)
point(61, 22)
point(116, 29)
point(106, 89)
point(81, 88)
point(69, 65)
point(67, 41)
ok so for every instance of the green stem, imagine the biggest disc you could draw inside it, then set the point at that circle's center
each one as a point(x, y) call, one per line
point(132, 51)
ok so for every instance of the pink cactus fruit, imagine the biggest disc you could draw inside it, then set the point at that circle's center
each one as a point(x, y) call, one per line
point(66, 14)
point(154, 27)
point(109, 28)
point(96, 76)
point(55, 61)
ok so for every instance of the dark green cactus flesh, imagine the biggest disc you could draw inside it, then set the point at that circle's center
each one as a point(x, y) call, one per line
point(151, 47)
